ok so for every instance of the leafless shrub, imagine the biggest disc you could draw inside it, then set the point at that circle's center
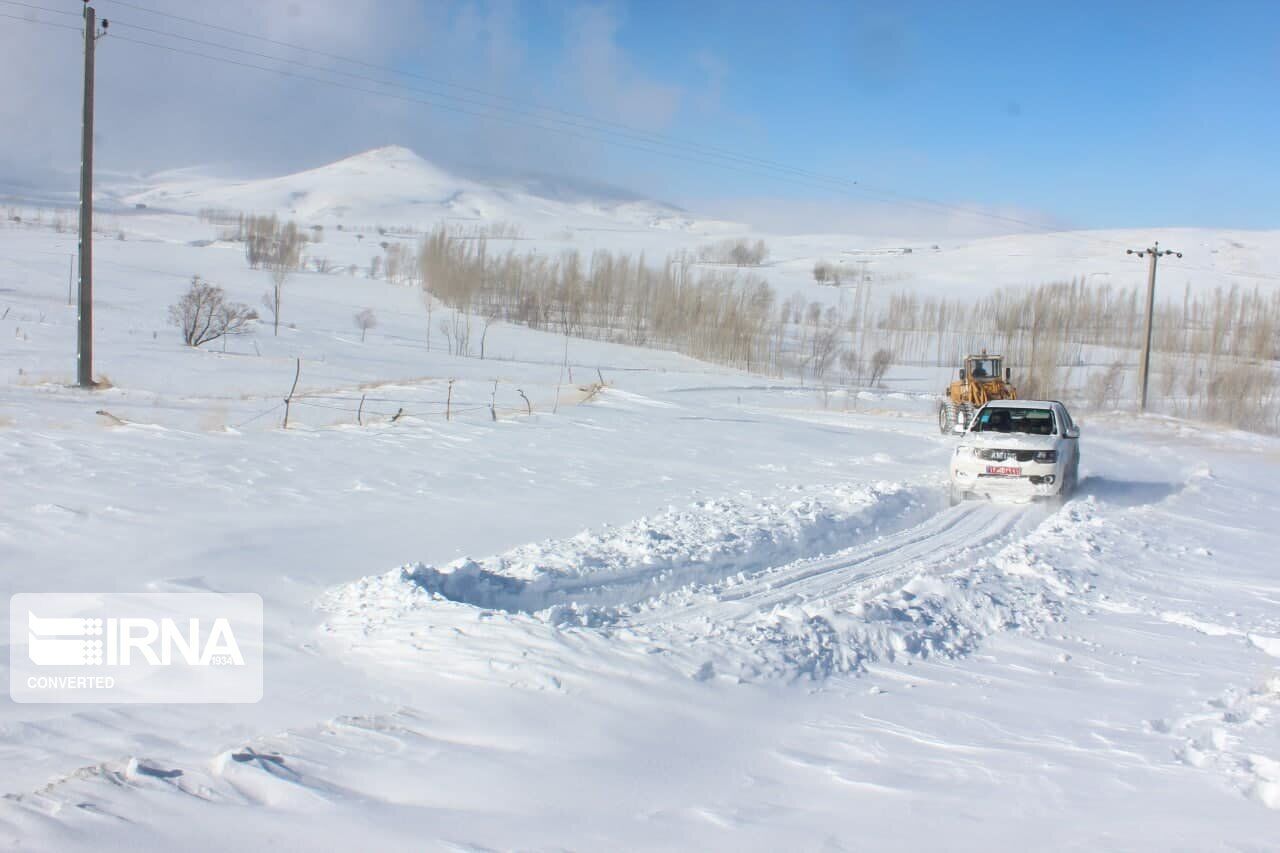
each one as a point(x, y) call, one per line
point(851, 364)
point(880, 362)
point(740, 253)
point(204, 314)
point(365, 320)
point(825, 272)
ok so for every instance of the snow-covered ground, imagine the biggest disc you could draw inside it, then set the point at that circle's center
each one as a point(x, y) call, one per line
point(696, 609)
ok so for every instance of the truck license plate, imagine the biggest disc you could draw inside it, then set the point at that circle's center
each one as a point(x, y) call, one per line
point(1004, 470)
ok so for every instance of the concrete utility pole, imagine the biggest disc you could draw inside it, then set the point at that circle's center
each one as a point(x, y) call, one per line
point(84, 322)
point(1155, 253)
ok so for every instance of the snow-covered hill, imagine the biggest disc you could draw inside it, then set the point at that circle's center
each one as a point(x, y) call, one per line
point(393, 186)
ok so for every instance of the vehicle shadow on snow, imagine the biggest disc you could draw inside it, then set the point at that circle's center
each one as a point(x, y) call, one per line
point(1126, 492)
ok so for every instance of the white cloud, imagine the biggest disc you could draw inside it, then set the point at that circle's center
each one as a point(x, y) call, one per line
point(606, 81)
point(159, 109)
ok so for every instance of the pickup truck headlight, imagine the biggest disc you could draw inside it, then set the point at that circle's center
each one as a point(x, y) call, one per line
point(1046, 456)
point(964, 451)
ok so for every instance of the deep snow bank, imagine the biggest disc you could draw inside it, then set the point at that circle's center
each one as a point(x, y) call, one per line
point(805, 583)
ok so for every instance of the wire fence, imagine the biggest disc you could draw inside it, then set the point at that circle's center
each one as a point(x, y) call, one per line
point(504, 401)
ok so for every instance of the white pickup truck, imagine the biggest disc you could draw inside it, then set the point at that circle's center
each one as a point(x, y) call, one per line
point(1017, 449)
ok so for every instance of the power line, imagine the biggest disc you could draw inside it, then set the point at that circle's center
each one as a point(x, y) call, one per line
point(631, 129)
point(895, 198)
point(41, 8)
point(803, 178)
point(650, 137)
point(700, 153)
point(811, 184)
point(39, 22)
point(638, 136)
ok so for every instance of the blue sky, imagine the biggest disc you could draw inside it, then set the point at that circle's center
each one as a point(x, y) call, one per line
point(1103, 114)
point(1082, 114)
point(1096, 114)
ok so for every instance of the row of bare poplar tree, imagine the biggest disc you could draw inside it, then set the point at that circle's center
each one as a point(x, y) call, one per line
point(1216, 355)
point(714, 315)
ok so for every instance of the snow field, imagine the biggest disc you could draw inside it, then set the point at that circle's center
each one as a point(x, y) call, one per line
point(717, 611)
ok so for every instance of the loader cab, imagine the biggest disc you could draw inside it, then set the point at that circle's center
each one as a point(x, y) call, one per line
point(984, 368)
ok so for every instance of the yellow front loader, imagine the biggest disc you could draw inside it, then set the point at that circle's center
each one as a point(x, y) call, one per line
point(983, 377)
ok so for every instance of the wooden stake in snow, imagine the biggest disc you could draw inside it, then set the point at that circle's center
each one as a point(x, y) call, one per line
point(289, 400)
point(528, 407)
point(360, 411)
point(448, 403)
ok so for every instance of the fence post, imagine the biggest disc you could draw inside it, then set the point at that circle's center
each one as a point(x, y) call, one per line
point(289, 400)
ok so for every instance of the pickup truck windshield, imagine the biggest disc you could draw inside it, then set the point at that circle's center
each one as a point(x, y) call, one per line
point(1003, 419)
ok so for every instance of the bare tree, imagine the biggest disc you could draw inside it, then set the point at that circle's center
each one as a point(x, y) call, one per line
point(400, 262)
point(824, 349)
point(365, 320)
point(851, 364)
point(489, 317)
point(204, 314)
point(880, 362)
point(282, 256)
point(737, 252)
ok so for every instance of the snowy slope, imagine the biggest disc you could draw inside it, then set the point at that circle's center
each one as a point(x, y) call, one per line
point(393, 186)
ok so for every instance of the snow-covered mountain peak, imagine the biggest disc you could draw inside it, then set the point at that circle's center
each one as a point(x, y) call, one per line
point(394, 185)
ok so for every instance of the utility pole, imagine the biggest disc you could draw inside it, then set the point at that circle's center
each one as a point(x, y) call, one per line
point(84, 321)
point(1155, 253)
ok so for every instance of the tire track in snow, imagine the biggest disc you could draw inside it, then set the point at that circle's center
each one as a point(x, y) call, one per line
point(847, 574)
point(816, 617)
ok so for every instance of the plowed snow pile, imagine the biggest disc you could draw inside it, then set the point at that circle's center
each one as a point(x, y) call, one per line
point(808, 583)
